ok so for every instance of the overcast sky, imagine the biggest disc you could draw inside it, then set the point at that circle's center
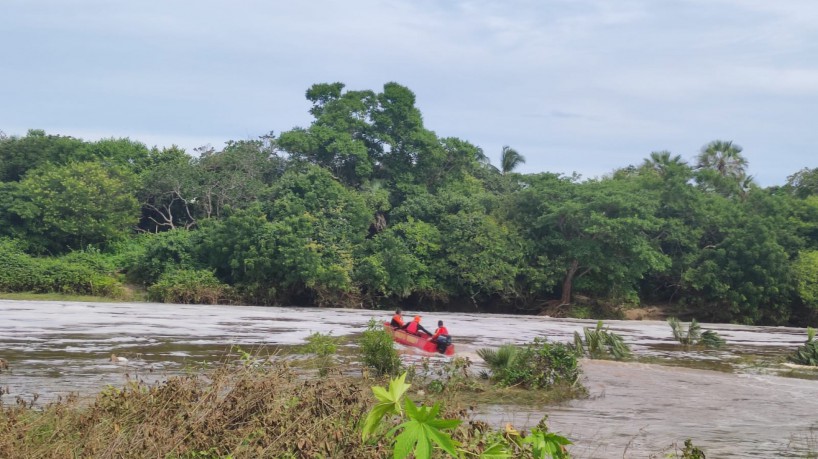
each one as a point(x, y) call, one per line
point(574, 85)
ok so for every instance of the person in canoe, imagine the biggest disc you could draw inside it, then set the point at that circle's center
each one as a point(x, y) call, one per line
point(397, 319)
point(416, 328)
point(441, 337)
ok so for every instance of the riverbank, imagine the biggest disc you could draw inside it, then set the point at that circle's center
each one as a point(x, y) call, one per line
point(128, 294)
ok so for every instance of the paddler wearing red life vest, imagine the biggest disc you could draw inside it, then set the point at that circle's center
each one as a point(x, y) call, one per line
point(441, 337)
point(415, 327)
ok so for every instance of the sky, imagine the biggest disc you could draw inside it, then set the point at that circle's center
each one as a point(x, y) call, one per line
point(585, 86)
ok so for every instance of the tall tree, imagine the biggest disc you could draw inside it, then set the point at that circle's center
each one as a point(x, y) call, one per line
point(510, 159)
point(71, 206)
point(340, 138)
point(599, 232)
point(663, 162)
point(722, 169)
point(21, 154)
point(803, 183)
point(724, 157)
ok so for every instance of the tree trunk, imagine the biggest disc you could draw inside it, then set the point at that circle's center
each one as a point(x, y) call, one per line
point(567, 284)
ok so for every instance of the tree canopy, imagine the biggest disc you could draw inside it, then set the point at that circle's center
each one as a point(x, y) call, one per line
point(368, 206)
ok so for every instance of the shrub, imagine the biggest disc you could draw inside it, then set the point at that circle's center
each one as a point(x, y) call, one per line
point(188, 286)
point(324, 347)
point(18, 268)
point(80, 273)
point(498, 360)
point(378, 351)
point(537, 365)
point(807, 354)
point(694, 335)
point(690, 337)
point(711, 339)
point(161, 253)
point(601, 344)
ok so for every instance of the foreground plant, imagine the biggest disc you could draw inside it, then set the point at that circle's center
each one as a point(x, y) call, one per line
point(419, 431)
point(264, 410)
point(601, 344)
point(422, 431)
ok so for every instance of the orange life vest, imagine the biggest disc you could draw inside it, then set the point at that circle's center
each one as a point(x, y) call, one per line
point(397, 319)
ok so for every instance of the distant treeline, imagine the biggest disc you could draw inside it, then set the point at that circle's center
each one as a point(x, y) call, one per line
point(366, 206)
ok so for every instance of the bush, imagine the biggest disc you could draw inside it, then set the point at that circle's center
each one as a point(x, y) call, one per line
point(808, 353)
point(161, 253)
point(601, 344)
point(188, 286)
point(18, 268)
point(694, 335)
point(537, 365)
point(80, 273)
point(711, 339)
point(324, 347)
point(498, 360)
point(378, 351)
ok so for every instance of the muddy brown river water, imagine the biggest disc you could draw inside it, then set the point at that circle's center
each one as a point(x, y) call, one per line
point(741, 401)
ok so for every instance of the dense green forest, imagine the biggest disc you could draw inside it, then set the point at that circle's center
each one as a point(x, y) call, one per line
point(368, 207)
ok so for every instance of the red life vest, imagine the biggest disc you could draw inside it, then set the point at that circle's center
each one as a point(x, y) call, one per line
point(413, 328)
point(441, 331)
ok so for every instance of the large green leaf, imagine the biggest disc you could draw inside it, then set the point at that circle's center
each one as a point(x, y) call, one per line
point(496, 451)
point(421, 430)
point(389, 403)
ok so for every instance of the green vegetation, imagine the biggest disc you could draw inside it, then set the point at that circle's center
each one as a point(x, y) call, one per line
point(694, 335)
point(188, 286)
point(689, 337)
point(536, 365)
point(367, 206)
point(324, 347)
point(262, 408)
point(807, 354)
point(423, 431)
point(600, 343)
point(377, 350)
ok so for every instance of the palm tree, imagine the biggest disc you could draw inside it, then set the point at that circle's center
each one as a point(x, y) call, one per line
point(662, 162)
point(510, 159)
point(724, 157)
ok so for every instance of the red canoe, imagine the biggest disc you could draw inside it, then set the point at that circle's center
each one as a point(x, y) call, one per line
point(420, 342)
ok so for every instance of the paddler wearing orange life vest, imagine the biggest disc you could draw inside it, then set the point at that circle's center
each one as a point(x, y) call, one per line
point(397, 319)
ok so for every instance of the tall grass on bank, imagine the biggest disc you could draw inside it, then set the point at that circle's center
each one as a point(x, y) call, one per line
point(246, 409)
point(243, 411)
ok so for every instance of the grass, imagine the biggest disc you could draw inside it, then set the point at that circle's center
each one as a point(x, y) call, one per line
point(28, 296)
point(253, 407)
point(132, 294)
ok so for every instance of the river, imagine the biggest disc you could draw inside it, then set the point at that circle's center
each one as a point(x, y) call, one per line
point(741, 401)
